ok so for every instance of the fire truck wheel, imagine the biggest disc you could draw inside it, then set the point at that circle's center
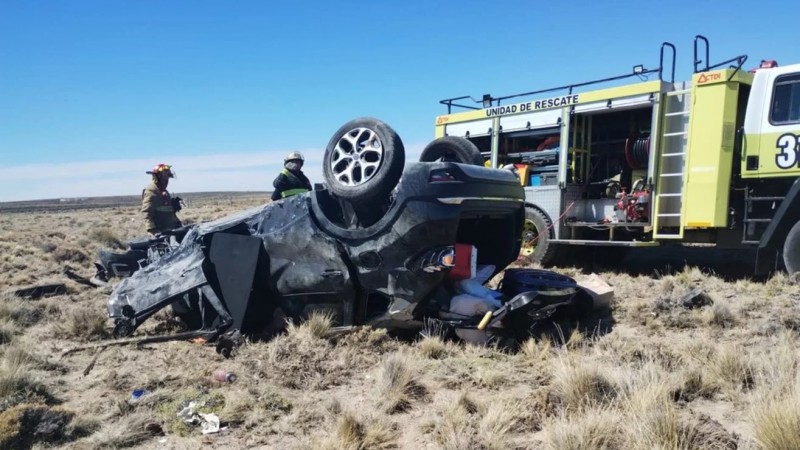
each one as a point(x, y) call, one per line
point(452, 149)
point(536, 234)
point(363, 160)
point(791, 250)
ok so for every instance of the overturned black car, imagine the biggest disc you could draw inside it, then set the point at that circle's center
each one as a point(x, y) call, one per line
point(376, 244)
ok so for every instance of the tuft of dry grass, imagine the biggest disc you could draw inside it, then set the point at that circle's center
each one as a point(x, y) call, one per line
point(536, 350)
point(21, 312)
point(21, 355)
point(575, 340)
point(578, 384)
point(85, 323)
point(730, 368)
point(432, 347)
point(48, 247)
point(25, 424)
point(353, 434)
point(469, 425)
point(106, 237)
point(17, 382)
point(128, 431)
point(655, 423)
point(239, 407)
point(70, 254)
point(399, 386)
point(775, 410)
point(652, 419)
point(7, 331)
point(374, 340)
point(454, 429)
point(498, 423)
point(467, 403)
point(596, 428)
point(776, 419)
point(693, 384)
point(301, 360)
point(719, 314)
point(316, 326)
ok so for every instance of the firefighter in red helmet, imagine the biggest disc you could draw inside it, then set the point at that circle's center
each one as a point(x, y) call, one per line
point(159, 208)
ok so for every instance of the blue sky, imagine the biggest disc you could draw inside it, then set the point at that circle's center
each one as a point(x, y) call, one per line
point(224, 89)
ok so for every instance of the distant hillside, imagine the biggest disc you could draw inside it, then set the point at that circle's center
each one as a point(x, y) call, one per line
point(63, 204)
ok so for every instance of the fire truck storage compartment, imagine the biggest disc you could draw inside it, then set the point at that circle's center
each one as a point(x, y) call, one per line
point(608, 154)
point(484, 144)
point(535, 153)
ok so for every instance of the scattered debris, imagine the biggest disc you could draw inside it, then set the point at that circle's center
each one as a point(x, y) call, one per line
point(137, 394)
point(696, 298)
point(139, 341)
point(69, 272)
point(335, 332)
point(473, 299)
point(43, 290)
point(466, 305)
point(223, 376)
point(187, 414)
point(91, 364)
point(209, 422)
point(229, 343)
point(601, 292)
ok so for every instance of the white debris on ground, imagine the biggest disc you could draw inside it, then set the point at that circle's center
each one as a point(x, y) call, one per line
point(209, 422)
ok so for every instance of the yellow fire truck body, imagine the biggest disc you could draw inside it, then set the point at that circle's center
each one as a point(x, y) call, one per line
point(711, 160)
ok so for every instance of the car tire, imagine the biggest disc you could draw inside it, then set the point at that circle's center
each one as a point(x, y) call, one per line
point(363, 160)
point(537, 233)
point(791, 250)
point(453, 149)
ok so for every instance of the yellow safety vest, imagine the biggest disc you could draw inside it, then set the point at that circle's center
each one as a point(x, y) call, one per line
point(291, 192)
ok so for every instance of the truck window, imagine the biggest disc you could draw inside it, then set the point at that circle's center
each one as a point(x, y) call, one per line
point(786, 100)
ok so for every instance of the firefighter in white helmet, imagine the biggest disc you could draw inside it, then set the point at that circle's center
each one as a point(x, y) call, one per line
point(291, 180)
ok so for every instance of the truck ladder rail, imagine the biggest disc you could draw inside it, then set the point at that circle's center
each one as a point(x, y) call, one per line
point(754, 226)
point(671, 172)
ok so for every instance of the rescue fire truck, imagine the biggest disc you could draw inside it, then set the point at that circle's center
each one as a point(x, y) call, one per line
point(714, 160)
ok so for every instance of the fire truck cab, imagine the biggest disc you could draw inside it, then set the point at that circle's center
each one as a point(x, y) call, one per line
point(712, 160)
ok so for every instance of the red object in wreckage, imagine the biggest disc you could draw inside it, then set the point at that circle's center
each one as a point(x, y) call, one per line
point(465, 264)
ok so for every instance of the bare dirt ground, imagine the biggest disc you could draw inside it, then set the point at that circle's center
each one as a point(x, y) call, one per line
point(649, 373)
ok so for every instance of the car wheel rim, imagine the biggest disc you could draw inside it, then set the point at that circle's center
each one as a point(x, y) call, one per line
point(356, 157)
point(529, 237)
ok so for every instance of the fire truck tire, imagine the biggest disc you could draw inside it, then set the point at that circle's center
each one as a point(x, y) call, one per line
point(363, 160)
point(536, 235)
point(453, 149)
point(791, 250)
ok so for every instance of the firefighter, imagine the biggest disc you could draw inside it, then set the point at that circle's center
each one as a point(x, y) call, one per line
point(158, 207)
point(291, 180)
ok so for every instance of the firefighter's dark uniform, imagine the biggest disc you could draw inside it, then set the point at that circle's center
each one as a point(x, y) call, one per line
point(290, 183)
point(158, 210)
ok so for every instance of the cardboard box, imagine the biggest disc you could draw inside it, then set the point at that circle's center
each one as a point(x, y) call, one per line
point(602, 293)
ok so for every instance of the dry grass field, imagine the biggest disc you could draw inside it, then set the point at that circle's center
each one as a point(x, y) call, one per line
point(652, 375)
